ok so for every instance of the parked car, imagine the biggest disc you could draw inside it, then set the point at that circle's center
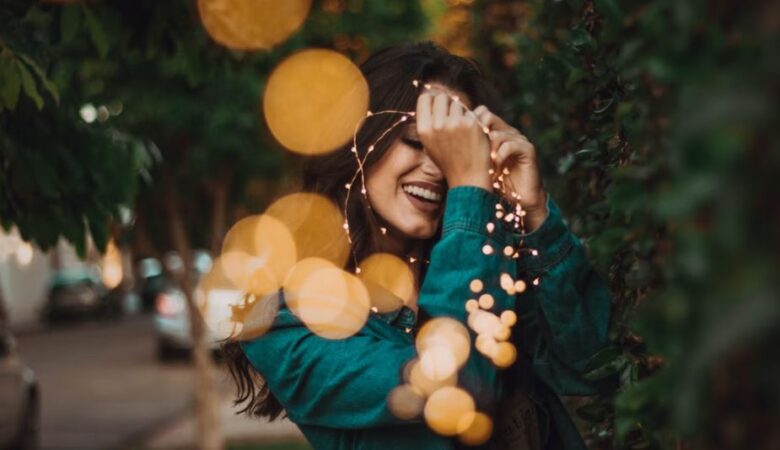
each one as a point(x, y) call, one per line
point(79, 293)
point(171, 316)
point(151, 282)
point(19, 401)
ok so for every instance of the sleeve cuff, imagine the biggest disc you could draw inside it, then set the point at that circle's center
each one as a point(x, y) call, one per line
point(552, 241)
point(470, 208)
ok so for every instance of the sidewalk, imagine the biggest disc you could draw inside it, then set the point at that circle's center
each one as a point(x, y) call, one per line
point(180, 433)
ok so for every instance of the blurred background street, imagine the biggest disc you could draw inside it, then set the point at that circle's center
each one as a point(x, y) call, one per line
point(87, 369)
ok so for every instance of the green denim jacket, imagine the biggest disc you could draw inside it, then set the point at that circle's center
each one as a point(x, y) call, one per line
point(336, 390)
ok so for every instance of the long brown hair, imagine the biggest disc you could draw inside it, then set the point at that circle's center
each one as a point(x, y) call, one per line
point(390, 74)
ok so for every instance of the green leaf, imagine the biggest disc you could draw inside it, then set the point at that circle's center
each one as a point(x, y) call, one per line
point(47, 84)
point(70, 20)
point(96, 32)
point(11, 84)
point(28, 84)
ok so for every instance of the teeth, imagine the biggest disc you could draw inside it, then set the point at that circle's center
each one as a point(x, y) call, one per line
point(422, 192)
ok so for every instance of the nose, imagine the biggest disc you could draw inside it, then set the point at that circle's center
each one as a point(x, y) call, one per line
point(430, 168)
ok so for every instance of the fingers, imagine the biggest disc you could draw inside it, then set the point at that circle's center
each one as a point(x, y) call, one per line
point(490, 120)
point(456, 113)
point(423, 114)
point(441, 106)
point(514, 150)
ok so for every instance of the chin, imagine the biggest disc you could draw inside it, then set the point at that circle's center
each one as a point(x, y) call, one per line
point(419, 231)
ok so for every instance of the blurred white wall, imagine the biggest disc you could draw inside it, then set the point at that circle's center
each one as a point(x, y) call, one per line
point(25, 273)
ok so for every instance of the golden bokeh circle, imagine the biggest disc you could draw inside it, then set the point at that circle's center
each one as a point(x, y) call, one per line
point(446, 408)
point(333, 303)
point(445, 332)
point(313, 101)
point(316, 226)
point(252, 24)
point(386, 273)
point(406, 401)
point(257, 253)
point(475, 428)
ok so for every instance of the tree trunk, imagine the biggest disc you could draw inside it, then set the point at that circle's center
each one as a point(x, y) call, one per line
point(206, 399)
point(220, 192)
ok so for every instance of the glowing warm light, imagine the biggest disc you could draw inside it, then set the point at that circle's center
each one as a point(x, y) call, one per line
point(505, 355)
point(385, 274)
point(111, 264)
point(472, 305)
point(297, 275)
point(475, 429)
point(257, 253)
point(416, 377)
point(252, 24)
point(406, 401)
point(487, 249)
point(228, 311)
point(476, 285)
point(506, 282)
point(508, 250)
point(438, 362)
point(486, 345)
point(333, 303)
point(445, 409)
point(484, 322)
point(486, 301)
point(502, 333)
point(316, 226)
point(520, 286)
point(24, 254)
point(508, 318)
point(313, 101)
point(448, 333)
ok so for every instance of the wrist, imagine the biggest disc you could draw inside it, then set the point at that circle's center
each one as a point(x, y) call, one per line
point(471, 180)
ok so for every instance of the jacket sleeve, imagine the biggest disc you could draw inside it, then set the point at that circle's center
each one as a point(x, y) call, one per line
point(345, 383)
point(564, 319)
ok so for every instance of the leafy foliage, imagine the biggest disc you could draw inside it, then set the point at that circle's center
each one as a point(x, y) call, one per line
point(59, 177)
point(656, 124)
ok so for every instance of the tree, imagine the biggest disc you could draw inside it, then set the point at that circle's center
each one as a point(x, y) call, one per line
point(59, 178)
point(655, 123)
point(195, 104)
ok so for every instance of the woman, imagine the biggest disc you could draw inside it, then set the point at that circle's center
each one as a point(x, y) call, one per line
point(429, 196)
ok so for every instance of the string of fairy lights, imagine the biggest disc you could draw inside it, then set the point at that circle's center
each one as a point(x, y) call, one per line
point(513, 216)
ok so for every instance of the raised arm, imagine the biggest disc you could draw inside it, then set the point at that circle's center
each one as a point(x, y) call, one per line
point(563, 320)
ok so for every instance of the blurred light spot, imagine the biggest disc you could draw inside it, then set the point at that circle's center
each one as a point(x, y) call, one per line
point(476, 285)
point(88, 113)
point(316, 226)
point(505, 355)
point(445, 409)
point(333, 303)
point(508, 318)
point(486, 301)
point(24, 253)
point(487, 249)
point(506, 282)
point(484, 322)
point(520, 286)
point(313, 101)
point(445, 332)
point(102, 114)
point(385, 273)
point(297, 275)
point(438, 362)
point(502, 333)
point(406, 402)
point(417, 378)
point(472, 305)
point(257, 253)
point(486, 345)
point(111, 266)
point(252, 24)
point(475, 429)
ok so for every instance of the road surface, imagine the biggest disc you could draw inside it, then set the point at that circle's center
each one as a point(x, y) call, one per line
point(101, 385)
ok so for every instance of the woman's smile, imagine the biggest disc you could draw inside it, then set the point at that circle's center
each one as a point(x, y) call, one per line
point(426, 197)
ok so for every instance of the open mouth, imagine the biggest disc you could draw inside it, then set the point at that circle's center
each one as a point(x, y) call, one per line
point(422, 198)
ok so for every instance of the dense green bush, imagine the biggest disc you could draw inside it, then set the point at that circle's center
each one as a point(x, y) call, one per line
point(657, 125)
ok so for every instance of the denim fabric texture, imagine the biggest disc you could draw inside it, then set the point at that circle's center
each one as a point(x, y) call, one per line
point(336, 390)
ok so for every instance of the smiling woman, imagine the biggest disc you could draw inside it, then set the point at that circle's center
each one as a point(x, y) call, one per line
point(408, 377)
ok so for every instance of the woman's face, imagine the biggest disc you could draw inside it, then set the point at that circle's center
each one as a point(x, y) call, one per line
point(405, 187)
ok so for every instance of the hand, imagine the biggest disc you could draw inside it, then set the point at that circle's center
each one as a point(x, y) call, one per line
point(512, 150)
point(454, 140)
